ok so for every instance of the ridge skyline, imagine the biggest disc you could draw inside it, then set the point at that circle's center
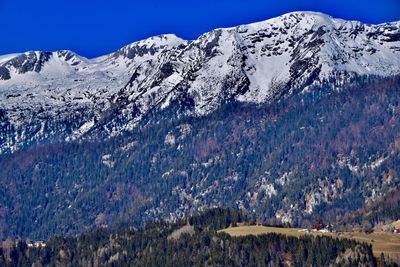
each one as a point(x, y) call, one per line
point(172, 34)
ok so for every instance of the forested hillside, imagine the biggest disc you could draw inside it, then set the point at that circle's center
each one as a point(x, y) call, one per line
point(157, 245)
point(321, 152)
point(381, 211)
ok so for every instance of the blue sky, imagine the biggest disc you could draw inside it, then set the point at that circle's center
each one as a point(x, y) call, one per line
point(96, 27)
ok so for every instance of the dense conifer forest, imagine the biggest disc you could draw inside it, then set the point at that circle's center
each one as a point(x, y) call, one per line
point(164, 244)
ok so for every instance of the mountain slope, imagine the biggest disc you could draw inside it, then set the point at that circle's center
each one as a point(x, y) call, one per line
point(319, 153)
point(289, 118)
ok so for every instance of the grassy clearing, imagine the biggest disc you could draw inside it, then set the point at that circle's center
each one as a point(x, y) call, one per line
point(388, 243)
point(396, 224)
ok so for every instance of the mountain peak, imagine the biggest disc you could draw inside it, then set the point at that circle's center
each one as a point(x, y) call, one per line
point(151, 46)
point(302, 19)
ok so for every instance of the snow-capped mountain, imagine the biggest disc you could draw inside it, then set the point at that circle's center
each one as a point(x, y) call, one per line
point(57, 78)
point(43, 94)
point(47, 94)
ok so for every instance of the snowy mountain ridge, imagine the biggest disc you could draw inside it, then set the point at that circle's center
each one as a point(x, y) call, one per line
point(45, 94)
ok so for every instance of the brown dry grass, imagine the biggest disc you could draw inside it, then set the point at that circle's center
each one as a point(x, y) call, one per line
point(396, 224)
point(388, 243)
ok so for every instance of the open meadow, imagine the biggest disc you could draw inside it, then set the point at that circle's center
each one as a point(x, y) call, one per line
point(388, 243)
